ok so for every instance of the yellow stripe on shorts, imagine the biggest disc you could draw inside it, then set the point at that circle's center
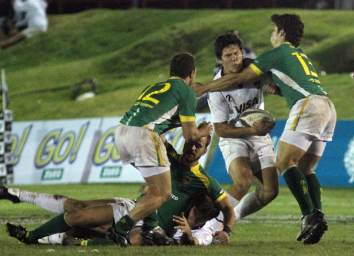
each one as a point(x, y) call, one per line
point(297, 118)
point(157, 142)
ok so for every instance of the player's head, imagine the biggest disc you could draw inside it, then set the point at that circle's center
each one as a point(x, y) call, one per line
point(228, 49)
point(203, 210)
point(287, 28)
point(183, 66)
point(192, 151)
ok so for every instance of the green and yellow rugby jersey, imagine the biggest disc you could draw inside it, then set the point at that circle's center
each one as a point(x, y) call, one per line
point(163, 106)
point(186, 183)
point(292, 71)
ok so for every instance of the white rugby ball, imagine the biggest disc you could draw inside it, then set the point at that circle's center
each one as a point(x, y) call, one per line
point(250, 116)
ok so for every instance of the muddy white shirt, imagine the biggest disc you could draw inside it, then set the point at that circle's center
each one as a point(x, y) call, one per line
point(227, 106)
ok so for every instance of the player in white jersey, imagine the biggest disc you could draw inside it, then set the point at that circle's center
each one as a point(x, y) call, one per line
point(246, 150)
point(30, 14)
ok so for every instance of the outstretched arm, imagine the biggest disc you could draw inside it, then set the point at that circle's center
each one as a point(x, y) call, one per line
point(227, 82)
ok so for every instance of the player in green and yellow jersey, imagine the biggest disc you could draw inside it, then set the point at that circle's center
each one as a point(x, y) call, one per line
point(311, 121)
point(188, 180)
point(160, 107)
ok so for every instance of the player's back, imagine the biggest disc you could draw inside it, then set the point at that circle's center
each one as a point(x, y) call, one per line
point(159, 104)
point(292, 71)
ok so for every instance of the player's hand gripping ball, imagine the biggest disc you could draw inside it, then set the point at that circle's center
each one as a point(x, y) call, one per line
point(261, 120)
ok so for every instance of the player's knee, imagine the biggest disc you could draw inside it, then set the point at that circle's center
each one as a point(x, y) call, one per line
point(242, 186)
point(165, 196)
point(162, 198)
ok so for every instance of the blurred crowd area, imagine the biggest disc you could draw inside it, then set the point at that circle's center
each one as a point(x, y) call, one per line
point(71, 6)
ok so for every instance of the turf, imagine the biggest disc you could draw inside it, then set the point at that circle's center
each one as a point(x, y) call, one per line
point(271, 231)
point(126, 50)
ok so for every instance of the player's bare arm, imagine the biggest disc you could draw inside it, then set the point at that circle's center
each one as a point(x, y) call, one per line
point(228, 211)
point(192, 133)
point(227, 82)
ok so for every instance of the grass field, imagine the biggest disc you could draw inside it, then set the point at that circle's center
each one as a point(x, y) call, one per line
point(271, 231)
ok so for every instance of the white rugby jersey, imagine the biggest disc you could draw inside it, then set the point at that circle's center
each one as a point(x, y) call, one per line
point(34, 13)
point(227, 106)
point(204, 235)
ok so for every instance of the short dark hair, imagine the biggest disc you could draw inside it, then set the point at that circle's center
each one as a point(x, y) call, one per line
point(225, 40)
point(182, 65)
point(292, 25)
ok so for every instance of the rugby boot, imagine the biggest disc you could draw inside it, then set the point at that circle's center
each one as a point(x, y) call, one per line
point(117, 238)
point(18, 232)
point(313, 223)
point(318, 229)
point(11, 194)
point(305, 227)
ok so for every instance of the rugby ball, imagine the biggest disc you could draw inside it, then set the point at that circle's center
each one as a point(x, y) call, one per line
point(250, 116)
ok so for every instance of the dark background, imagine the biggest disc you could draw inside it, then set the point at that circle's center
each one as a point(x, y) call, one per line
point(71, 6)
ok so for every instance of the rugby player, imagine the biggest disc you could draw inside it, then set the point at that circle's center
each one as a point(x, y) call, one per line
point(246, 150)
point(311, 120)
point(160, 107)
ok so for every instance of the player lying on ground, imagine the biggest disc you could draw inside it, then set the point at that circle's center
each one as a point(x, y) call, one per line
point(188, 179)
point(202, 209)
point(311, 121)
point(246, 150)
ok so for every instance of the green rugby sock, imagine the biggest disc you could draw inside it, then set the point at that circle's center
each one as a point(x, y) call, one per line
point(314, 190)
point(124, 225)
point(298, 186)
point(150, 222)
point(55, 225)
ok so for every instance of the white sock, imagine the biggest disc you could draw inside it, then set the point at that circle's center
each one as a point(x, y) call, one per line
point(52, 203)
point(248, 205)
point(233, 200)
point(55, 239)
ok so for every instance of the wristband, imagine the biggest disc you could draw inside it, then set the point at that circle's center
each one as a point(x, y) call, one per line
point(227, 230)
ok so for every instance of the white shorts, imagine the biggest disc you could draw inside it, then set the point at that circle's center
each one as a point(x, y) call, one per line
point(304, 142)
point(143, 148)
point(310, 124)
point(121, 207)
point(259, 149)
point(314, 115)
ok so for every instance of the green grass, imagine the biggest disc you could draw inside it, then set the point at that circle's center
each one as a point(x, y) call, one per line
point(126, 50)
point(271, 231)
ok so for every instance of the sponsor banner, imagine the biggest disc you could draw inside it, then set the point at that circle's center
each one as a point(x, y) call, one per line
point(83, 150)
point(74, 151)
point(336, 167)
